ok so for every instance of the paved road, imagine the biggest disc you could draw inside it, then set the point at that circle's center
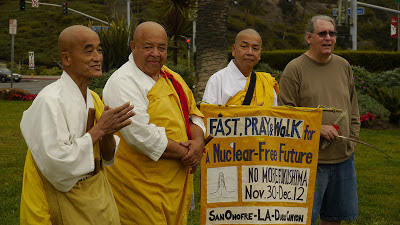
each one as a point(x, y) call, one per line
point(33, 85)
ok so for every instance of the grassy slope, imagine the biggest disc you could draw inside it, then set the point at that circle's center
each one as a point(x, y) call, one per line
point(12, 158)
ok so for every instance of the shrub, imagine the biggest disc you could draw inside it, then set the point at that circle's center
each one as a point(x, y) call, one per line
point(97, 84)
point(367, 120)
point(263, 67)
point(366, 105)
point(390, 99)
point(363, 79)
point(185, 72)
point(389, 78)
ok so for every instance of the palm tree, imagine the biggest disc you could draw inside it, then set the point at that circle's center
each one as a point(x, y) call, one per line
point(211, 41)
point(176, 17)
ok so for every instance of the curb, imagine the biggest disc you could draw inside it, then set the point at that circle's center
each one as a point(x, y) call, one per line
point(40, 78)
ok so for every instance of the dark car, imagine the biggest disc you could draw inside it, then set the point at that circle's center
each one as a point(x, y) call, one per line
point(5, 75)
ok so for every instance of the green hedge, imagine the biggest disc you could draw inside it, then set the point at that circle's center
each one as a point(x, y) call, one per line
point(374, 61)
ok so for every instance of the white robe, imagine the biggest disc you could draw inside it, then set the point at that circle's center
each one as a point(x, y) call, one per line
point(54, 128)
point(225, 84)
point(130, 84)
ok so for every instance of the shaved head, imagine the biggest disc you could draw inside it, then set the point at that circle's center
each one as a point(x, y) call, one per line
point(144, 28)
point(70, 35)
point(248, 32)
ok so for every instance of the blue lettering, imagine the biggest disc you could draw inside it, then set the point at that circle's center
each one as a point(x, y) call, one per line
point(220, 128)
point(277, 128)
point(294, 128)
point(254, 124)
point(247, 123)
point(227, 125)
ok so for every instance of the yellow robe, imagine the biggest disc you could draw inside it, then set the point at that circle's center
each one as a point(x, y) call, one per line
point(89, 202)
point(149, 192)
point(263, 91)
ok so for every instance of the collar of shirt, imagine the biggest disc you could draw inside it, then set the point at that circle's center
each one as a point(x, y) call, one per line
point(145, 79)
point(76, 92)
point(234, 82)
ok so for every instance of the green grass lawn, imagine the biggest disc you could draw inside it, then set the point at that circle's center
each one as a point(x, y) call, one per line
point(378, 177)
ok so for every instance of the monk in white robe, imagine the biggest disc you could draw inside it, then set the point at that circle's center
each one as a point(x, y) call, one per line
point(151, 177)
point(61, 183)
point(230, 85)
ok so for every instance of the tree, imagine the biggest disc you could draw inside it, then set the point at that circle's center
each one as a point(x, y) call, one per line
point(211, 41)
point(176, 17)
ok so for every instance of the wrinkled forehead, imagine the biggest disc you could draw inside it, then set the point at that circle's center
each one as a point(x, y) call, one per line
point(78, 38)
point(86, 39)
point(150, 32)
point(323, 25)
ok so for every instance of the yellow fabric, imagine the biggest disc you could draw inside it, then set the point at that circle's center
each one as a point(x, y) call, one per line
point(149, 192)
point(89, 202)
point(263, 91)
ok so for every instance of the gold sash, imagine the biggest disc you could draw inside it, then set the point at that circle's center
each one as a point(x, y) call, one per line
point(263, 91)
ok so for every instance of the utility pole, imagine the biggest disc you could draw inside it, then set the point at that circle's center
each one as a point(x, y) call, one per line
point(343, 24)
point(128, 12)
point(353, 23)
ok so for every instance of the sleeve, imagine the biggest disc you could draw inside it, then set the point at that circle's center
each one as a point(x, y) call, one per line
point(61, 158)
point(111, 162)
point(99, 106)
point(199, 122)
point(140, 134)
point(210, 92)
point(288, 87)
point(355, 114)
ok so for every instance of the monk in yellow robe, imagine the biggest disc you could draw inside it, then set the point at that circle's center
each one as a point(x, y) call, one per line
point(62, 184)
point(152, 177)
point(232, 84)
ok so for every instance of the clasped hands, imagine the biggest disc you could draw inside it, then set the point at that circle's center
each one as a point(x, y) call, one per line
point(195, 153)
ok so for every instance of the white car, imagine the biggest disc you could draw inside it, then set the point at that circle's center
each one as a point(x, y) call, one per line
point(5, 75)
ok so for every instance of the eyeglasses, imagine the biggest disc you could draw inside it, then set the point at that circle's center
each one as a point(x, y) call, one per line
point(323, 34)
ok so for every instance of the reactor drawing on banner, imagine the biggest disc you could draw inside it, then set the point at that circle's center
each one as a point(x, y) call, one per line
point(222, 184)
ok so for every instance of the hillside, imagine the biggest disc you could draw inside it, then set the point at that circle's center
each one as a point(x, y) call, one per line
point(38, 28)
point(281, 27)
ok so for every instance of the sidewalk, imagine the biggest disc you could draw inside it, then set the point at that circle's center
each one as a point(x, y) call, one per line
point(40, 77)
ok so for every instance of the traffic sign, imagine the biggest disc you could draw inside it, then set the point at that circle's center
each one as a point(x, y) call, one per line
point(31, 60)
point(98, 28)
point(13, 26)
point(35, 3)
point(360, 11)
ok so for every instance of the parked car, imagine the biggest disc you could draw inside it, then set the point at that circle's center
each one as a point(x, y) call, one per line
point(5, 75)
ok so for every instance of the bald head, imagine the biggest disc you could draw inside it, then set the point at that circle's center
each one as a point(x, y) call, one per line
point(145, 28)
point(70, 35)
point(247, 33)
